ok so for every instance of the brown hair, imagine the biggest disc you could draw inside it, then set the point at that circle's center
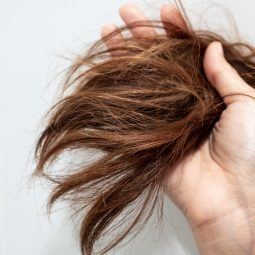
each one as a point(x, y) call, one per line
point(146, 104)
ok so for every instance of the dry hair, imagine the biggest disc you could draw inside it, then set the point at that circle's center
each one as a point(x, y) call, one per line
point(145, 104)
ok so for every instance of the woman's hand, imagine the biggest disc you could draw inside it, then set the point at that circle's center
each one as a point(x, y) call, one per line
point(214, 186)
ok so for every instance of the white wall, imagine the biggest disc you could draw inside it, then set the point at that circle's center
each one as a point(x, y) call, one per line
point(32, 34)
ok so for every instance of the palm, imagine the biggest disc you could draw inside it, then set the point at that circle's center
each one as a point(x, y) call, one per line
point(204, 185)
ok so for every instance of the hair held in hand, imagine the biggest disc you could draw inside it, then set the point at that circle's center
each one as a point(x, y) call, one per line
point(145, 104)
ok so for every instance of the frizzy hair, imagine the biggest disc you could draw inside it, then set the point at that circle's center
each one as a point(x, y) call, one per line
point(145, 104)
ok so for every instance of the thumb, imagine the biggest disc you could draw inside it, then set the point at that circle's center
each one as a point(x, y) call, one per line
point(223, 76)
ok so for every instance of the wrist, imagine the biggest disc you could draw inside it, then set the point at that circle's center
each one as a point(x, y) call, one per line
point(231, 234)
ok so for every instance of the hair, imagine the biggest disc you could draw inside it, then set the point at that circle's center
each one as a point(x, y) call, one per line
point(146, 104)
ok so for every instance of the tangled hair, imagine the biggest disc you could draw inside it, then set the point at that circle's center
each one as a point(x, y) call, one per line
point(145, 104)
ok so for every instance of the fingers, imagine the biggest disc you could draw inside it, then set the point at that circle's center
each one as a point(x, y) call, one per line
point(170, 14)
point(131, 13)
point(114, 41)
point(223, 76)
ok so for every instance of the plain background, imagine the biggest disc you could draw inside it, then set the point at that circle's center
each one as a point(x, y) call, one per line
point(33, 36)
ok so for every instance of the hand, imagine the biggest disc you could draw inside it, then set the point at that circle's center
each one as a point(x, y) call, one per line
point(215, 186)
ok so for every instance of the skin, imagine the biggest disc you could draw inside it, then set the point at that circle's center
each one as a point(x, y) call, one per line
point(214, 186)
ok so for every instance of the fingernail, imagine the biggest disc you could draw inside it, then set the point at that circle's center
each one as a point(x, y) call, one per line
point(220, 48)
